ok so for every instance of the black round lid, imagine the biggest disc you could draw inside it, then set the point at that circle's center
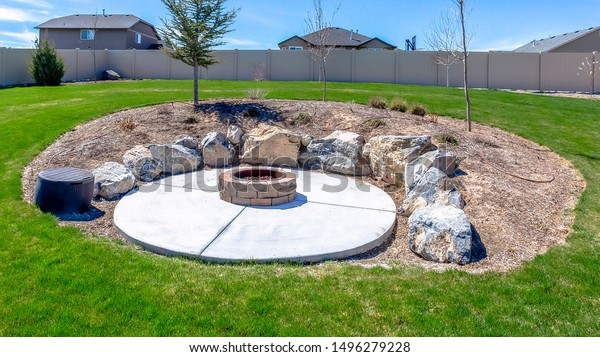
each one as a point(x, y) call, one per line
point(66, 174)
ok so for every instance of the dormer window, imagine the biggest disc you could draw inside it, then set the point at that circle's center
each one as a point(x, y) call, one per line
point(86, 35)
point(138, 38)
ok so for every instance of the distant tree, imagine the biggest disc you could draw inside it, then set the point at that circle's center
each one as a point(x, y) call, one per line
point(194, 29)
point(443, 39)
point(321, 47)
point(588, 70)
point(46, 68)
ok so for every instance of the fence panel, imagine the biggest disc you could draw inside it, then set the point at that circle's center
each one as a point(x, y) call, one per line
point(16, 62)
point(509, 70)
point(374, 66)
point(569, 76)
point(291, 66)
point(417, 68)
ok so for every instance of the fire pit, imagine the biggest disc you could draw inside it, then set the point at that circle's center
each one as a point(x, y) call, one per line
point(257, 186)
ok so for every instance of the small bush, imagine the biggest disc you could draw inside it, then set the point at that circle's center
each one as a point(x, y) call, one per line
point(419, 110)
point(446, 138)
point(252, 113)
point(399, 105)
point(375, 123)
point(127, 124)
point(46, 68)
point(256, 94)
point(303, 118)
point(378, 102)
point(190, 120)
point(434, 118)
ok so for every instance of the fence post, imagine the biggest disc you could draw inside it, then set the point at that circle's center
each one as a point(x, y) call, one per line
point(353, 76)
point(133, 64)
point(77, 65)
point(396, 67)
point(237, 63)
point(170, 64)
point(3, 69)
point(540, 73)
point(593, 72)
point(487, 80)
point(269, 65)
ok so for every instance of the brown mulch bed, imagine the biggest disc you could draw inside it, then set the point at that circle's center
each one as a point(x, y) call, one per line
point(520, 196)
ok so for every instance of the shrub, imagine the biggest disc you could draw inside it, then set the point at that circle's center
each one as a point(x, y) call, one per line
point(419, 110)
point(303, 118)
point(375, 123)
point(127, 124)
point(191, 120)
point(399, 105)
point(446, 138)
point(46, 68)
point(378, 102)
point(256, 94)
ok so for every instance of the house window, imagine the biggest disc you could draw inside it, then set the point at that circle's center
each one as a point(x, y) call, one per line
point(295, 48)
point(138, 38)
point(87, 35)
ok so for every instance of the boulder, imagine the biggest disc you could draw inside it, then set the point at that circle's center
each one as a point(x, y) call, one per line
point(176, 159)
point(140, 161)
point(442, 160)
point(441, 234)
point(433, 189)
point(110, 75)
point(234, 134)
point(306, 139)
point(112, 180)
point(217, 151)
point(272, 146)
point(340, 152)
point(188, 142)
point(389, 154)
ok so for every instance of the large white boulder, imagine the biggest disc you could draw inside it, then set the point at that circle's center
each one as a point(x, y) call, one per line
point(433, 189)
point(176, 159)
point(441, 234)
point(388, 155)
point(442, 160)
point(272, 146)
point(340, 152)
point(140, 161)
point(112, 180)
point(217, 151)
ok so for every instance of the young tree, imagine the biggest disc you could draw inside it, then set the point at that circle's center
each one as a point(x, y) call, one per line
point(588, 70)
point(461, 13)
point(320, 30)
point(194, 28)
point(46, 68)
point(442, 39)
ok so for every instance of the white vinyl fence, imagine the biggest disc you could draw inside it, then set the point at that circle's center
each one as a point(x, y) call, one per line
point(494, 70)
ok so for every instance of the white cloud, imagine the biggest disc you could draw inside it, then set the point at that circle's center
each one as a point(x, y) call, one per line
point(241, 42)
point(504, 44)
point(35, 3)
point(18, 15)
point(25, 36)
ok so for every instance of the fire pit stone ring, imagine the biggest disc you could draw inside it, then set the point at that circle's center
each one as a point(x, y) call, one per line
point(257, 186)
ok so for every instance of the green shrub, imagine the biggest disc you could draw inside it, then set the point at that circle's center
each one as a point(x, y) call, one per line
point(378, 102)
point(399, 104)
point(46, 68)
point(375, 123)
point(256, 94)
point(303, 118)
point(446, 138)
point(419, 110)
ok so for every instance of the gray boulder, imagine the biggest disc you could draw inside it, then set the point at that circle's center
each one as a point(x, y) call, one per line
point(272, 146)
point(340, 152)
point(176, 159)
point(441, 234)
point(140, 161)
point(388, 155)
point(188, 142)
point(234, 134)
point(217, 151)
point(433, 189)
point(442, 160)
point(112, 180)
point(110, 75)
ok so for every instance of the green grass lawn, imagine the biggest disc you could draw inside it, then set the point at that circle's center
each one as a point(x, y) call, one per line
point(55, 281)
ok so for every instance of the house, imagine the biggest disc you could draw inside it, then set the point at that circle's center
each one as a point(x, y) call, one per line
point(338, 37)
point(583, 41)
point(113, 32)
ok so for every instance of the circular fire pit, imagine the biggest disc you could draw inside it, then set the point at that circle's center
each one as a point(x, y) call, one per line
point(257, 186)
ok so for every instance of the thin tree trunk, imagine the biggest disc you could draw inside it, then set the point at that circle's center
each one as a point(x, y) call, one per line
point(465, 63)
point(196, 104)
point(324, 82)
point(447, 76)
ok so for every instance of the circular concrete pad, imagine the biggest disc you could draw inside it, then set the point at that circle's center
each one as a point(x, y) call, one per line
point(332, 217)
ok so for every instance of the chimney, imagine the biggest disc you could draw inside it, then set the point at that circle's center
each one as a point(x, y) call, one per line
point(104, 12)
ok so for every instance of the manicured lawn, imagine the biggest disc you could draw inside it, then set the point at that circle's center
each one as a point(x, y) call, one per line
point(57, 282)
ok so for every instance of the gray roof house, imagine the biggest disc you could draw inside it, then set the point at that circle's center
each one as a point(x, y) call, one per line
point(583, 41)
point(338, 37)
point(113, 32)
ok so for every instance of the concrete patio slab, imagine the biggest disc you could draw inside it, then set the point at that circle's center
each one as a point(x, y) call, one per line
point(332, 217)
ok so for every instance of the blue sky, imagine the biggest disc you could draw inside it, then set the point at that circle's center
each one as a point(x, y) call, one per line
point(261, 24)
